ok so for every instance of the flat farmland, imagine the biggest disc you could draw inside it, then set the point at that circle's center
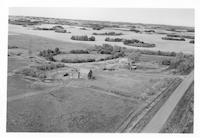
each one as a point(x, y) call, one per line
point(37, 43)
point(163, 45)
point(15, 63)
point(100, 105)
point(68, 110)
point(57, 102)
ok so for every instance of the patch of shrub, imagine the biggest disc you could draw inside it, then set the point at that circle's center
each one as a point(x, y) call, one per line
point(149, 31)
point(48, 54)
point(61, 31)
point(191, 41)
point(166, 62)
point(77, 60)
point(113, 39)
point(188, 36)
point(108, 33)
point(33, 73)
point(79, 52)
point(57, 27)
point(12, 47)
point(83, 28)
point(97, 27)
point(151, 52)
point(190, 30)
point(50, 66)
point(83, 38)
point(183, 64)
point(137, 43)
point(115, 51)
point(179, 36)
point(134, 30)
point(172, 38)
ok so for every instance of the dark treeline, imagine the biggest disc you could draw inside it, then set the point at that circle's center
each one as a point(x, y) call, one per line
point(108, 33)
point(83, 38)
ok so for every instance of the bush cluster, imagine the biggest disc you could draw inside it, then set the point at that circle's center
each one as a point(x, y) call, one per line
point(191, 41)
point(12, 47)
point(173, 38)
point(48, 54)
point(77, 60)
point(149, 31)
point(113, 39)
point(107, 49)
point(108, 33)
point(97, 27)
point(33, 73)
point(179, 36)
point(181, 63)
point(83, 38)
point(79, 52)
point(137, 43)
point(50, 66)
point(151, 52)
point(134, 30)
point(131, 41)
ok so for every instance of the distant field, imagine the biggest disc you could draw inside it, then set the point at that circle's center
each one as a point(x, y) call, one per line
point(39, 43)
point(163, 45)
point(80, 56)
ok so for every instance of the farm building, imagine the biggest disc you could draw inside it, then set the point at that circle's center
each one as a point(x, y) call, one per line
point(74, 74)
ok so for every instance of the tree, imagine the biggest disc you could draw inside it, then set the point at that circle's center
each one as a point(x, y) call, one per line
point(92, 38)
point(57, 50)
point(90, 75)
point(133, 57)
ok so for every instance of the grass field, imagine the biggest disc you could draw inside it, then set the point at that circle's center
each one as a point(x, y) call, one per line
point(15, 63)
point(68, 110)
point(81, 105)
point(76, 105)
point(81, 56)
point(41, 43)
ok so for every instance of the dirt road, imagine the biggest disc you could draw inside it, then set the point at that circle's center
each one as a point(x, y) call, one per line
point(158, 121)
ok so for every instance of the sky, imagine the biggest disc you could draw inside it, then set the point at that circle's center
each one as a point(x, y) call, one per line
point(181, 17)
